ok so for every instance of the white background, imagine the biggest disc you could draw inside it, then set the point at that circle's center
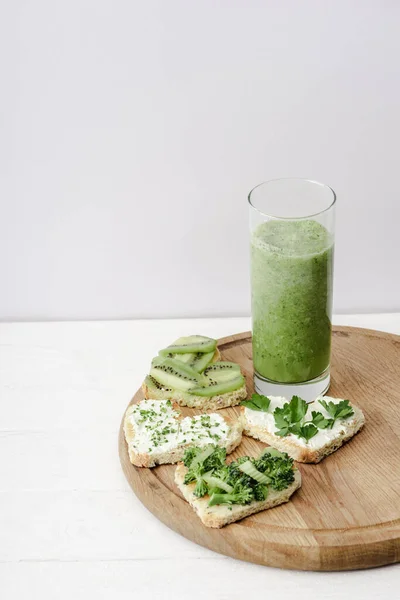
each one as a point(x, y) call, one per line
point(132, 131)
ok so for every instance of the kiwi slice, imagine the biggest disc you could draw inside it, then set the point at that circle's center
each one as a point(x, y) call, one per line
point(193, 343)
point(153, 384)
point(222, 371)
point(187, 358)
point(175, 374)
point(183, 358)
point(214, 389)
point(198, 361)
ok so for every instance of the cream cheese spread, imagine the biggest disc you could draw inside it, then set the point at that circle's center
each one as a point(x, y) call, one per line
point(157, 428)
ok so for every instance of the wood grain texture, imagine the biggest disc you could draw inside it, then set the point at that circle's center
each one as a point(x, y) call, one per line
point(347, 513)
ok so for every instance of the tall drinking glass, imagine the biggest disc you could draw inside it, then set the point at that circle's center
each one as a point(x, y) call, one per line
point(292, 241)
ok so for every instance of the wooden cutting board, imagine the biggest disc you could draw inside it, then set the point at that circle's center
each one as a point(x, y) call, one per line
point(347, 513)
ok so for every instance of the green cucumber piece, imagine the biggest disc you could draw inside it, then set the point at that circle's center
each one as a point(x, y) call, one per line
point(250, 470)
point(202, 456)
point(192, 343)
point(214, 389)
point(215, 482)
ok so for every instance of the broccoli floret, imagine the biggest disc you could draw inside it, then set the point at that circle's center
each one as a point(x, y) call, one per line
point(242, 496)
point(260, 492)
point(230, 484)
point(189, 456)
point(200, 461)
point(282, 480)
point(268, 462)
point(278, 468)
point(222, 473)
point(216, 460)
point(189, 477)
point(211, 457)
point(236, 476)
point(201, 488)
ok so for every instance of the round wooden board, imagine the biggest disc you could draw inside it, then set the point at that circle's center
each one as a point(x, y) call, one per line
point(347, 513)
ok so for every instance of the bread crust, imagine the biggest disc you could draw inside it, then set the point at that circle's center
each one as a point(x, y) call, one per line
point(220, 515)
point(175, 455)
point(297, 451)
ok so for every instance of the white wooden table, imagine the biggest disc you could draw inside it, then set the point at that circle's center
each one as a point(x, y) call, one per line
point(70, 527)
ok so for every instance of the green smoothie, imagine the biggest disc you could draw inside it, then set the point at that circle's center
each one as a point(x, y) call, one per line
point(291, 284)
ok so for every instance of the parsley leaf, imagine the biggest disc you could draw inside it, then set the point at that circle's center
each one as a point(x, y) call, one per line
point(291, 417)
point(341, 410)
point(295, 428)
point(298, 409)
point(319, 420)
point(283, 431)
point(282, 420)
point(257, 402)
point(307, 431)
point(288, 418)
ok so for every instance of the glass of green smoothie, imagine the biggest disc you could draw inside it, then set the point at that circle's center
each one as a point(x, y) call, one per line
point(292, 240)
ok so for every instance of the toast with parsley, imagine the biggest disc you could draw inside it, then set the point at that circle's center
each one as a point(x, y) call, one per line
point(307, 432)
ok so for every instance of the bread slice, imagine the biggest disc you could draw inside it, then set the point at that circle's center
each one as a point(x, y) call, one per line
point(192, 401)
point(219, 515)
point(174, 454)
point(201, 402)
point(297, 449)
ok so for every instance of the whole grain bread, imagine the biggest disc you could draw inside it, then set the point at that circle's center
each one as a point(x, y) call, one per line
point(200, 402)
point(297, 451)
point(219, 515)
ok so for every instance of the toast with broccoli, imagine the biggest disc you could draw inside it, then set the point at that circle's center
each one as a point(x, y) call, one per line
point(222, 493)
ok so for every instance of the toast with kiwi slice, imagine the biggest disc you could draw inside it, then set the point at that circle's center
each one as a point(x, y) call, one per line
point(190, 372)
